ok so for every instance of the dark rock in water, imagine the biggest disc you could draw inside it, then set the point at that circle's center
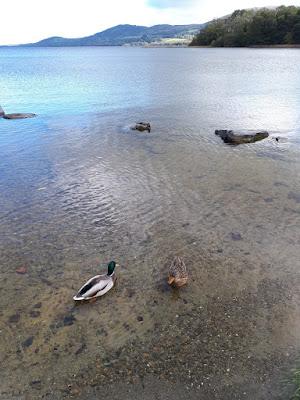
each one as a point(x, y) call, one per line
point(2, 113)
point(294, 196)
point(37, 384)
point(69, 320)
point(28, 342)
point(141, 127)
point(240, 137)
point(80, 349)
point(14, 318)
point(236, 236)
point(34, 314)
point(126, 326)
point(21, 271)
point(19, 115)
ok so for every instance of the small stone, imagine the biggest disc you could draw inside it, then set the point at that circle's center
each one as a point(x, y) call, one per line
point(28, 342)
point(69, 320)
point(14, 318)
point(80, 349)
point(36, 384)
point(294, 196)
point(34, 314)
point(21, 270)
point(236, 236)
point(140, 318)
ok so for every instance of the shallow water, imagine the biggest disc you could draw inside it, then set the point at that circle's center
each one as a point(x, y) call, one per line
point(78, 188)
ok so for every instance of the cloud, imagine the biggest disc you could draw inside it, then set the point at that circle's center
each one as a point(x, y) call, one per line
point(170, 3)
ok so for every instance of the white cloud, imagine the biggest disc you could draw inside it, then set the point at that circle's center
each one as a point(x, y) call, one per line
point(32, 20)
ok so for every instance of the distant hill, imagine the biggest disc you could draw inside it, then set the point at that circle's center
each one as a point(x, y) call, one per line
point(121, 35)
point(253, 27)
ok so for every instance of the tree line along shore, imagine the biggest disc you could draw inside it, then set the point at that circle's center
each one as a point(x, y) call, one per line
point(265, 27)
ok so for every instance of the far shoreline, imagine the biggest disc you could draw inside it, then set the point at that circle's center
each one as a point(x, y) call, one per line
point(258, 46)
point(273, 46)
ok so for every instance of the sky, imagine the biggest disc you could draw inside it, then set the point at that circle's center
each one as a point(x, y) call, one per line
point(33, 20)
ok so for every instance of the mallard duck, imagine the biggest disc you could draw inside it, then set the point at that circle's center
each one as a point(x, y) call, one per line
point(98, 285)
point(178, 275)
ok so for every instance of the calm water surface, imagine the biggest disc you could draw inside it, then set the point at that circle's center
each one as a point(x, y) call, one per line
point(78, 188)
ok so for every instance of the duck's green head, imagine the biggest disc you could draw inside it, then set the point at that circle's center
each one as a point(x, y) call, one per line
point(111, 267)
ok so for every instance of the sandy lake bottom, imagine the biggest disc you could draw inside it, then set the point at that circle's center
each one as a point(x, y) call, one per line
point(78, 190)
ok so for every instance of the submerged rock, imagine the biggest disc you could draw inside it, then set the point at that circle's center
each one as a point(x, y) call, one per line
point(236, 236)
point(22, 270)
point(28, 342)
point(141, 127)
point(34, 314)
point(240, 137)
point(69, 320)
point(19, 115)
point(14, 318)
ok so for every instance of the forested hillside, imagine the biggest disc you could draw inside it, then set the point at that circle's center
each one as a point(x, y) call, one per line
point(253, 27)
point(121, 35)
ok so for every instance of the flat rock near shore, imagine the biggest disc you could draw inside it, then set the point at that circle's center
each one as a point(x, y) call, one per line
point(240, 137)
point(141, 127)
point(18, 115)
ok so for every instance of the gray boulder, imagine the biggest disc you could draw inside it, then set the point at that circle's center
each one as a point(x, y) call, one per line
point(141, 127)
point(19, 115)
point(240, 137)
point(1, 112)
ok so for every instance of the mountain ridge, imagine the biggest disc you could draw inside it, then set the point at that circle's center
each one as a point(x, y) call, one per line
point(126, 34)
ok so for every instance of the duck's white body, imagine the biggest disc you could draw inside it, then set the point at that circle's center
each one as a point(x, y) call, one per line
point(96, 287)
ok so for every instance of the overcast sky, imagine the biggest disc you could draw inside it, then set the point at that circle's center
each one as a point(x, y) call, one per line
point(31, 20)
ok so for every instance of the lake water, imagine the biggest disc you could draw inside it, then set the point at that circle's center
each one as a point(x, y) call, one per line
point(78, 188)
